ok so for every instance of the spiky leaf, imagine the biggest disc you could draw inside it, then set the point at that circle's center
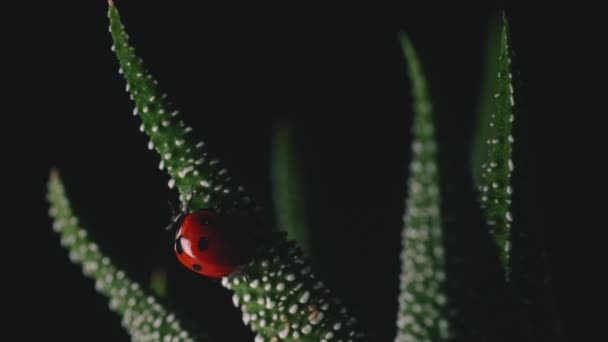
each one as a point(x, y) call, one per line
point(485, 106)
point(422, 302)
point(278, 293)
point(191, 167)
point(142, 315)
point(496, 188)
point(281, 298)
point(288, 189)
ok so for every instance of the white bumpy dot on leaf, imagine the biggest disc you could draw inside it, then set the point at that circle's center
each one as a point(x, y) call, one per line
point(283, 333)
point(185, 171)
point(316, 320)
point(293, 308)
point(305, 296)
point(306, 329)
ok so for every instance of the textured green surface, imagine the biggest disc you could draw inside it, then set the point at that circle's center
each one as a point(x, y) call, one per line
point(142, 315)
point(277, 291)
point(486, 101)
point(288, 187)
point(191, 167)
point(423, 302)
point(280, 297)
point(495, 187)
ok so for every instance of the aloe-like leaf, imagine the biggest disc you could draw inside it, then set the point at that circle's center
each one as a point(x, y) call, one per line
point(423, 303)
point(281, 299)
point(288, 189)
point(277, 291)
point(485, 105)
point(142, 315)
point(192, 169)
point(496, 188)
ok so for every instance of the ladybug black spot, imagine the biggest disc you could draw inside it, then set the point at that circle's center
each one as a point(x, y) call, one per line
point(197, 267)
point(203, 244)
point(205, 220)
point(178, 245)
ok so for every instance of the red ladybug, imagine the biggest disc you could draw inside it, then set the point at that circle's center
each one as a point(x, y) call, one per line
point(210, 244)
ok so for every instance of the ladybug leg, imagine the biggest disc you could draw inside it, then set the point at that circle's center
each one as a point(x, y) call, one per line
point(176, 222)
point(172, 207)
point(176, 218)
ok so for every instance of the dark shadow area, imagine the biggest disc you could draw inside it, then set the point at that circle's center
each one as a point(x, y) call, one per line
point(340, 76)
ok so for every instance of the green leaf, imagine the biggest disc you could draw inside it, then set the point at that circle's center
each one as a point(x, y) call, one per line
point(288, 189)
point(142, 315)
point(277, 291)
point(423, 301)
point(496, 188)
point(281, 298)
point(486, 97)
point(192, 169)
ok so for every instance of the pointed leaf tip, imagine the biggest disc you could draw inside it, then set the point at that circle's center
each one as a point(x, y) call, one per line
point(126, 297)
point(406, 44)
point(404, 38)
point(54, 174)
point(201, 179)
point(497, 169)
point(110, 3)
point(423, 301)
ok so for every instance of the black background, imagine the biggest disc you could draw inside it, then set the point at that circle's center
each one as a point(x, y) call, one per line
point(338, 73)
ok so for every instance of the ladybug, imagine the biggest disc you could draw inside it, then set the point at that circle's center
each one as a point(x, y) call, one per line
point(211, 244)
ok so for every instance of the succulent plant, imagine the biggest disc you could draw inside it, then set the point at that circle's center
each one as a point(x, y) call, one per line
point(462, 274)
